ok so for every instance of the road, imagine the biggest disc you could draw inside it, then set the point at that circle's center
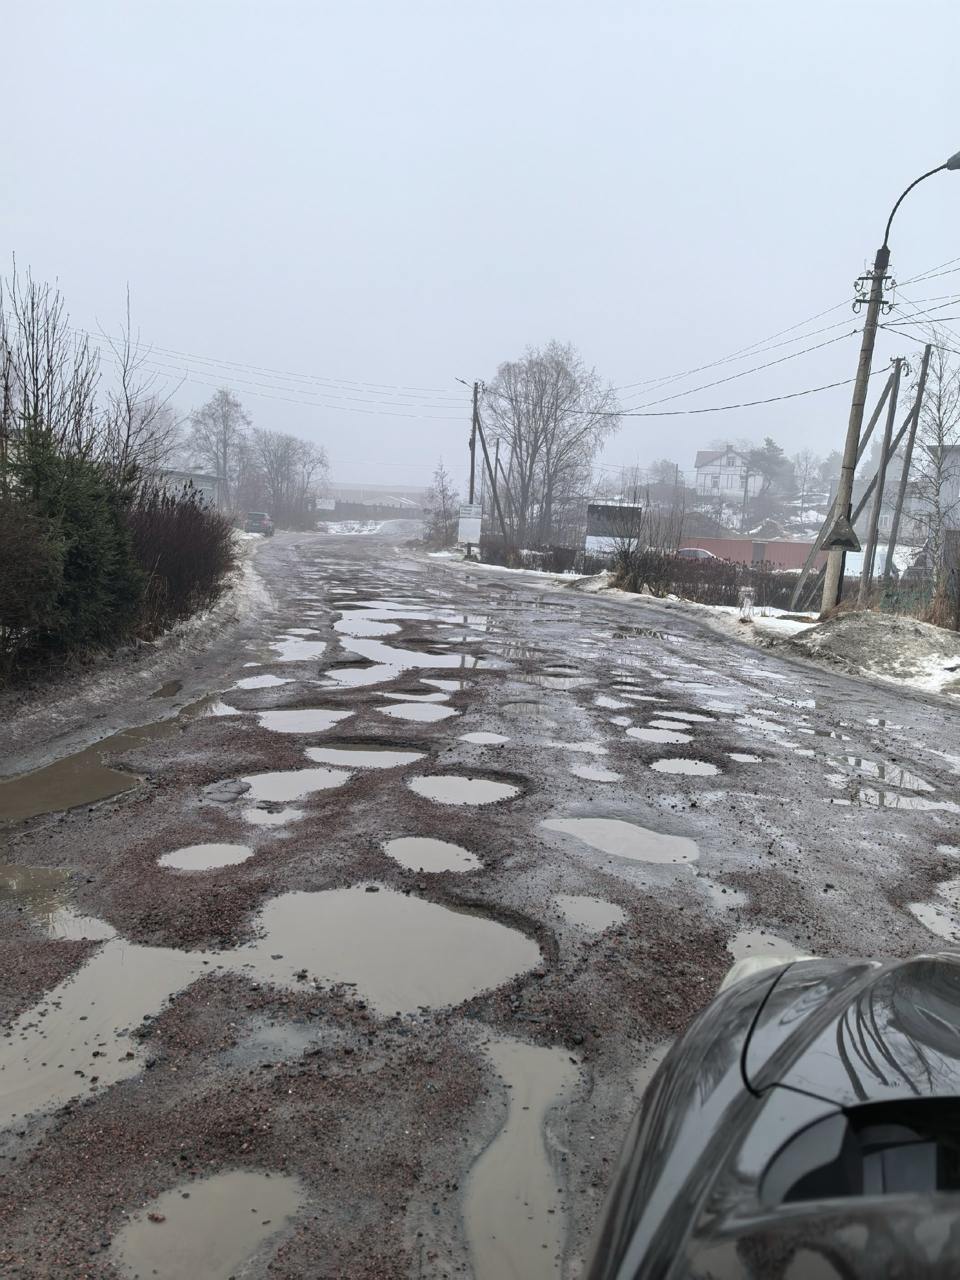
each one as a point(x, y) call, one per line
point(369, 923)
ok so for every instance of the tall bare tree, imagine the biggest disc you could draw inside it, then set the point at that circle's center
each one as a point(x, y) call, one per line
point(806, 466)
point(936, 472)
point(551, 414)
point(283, 473)
point(217, 440)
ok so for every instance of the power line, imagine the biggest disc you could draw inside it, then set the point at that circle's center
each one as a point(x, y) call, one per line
point(744, 404)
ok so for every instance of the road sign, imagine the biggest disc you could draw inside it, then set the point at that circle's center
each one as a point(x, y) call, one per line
point(470, 516)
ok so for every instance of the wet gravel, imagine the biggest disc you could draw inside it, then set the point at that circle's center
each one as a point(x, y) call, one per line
point(382, 1117)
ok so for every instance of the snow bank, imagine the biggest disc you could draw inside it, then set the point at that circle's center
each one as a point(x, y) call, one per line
point(900, 650)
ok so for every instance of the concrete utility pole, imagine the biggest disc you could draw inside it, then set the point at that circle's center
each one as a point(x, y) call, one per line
point(473, 439)
point(907, 460)
point(869, 555)
point(841, 537)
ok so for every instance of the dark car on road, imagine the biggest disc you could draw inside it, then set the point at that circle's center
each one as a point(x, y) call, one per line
point(258, 522)
point(696, 553)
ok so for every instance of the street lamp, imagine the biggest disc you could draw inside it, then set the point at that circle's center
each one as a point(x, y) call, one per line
point(841, 537)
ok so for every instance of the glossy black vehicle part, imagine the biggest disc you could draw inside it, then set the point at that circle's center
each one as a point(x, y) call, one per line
point(807, 1124)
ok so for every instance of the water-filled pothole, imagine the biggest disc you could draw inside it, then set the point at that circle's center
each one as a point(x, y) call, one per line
point(356, 624)
point(419, 712)
point(362, 757)
point(668, 724)
point(210, 1227)
point(261, 682)
point(292, 648)
point(592, 914)
point(423, 853)
point(484, 739)
point(168, 690)
point(301, 719)
point(744, 757)
point(677, 764)
point(259, 816)
point(591, 773)
point(942, 915)
point(514, 1214)
point(758, 943)
point(42, 893)
point(658, 735)
point(626, 839)
point(205, 857)
point(293, 784)
point(457, 789)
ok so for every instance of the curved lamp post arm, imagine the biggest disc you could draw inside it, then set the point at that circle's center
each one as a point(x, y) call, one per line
point(952, 163)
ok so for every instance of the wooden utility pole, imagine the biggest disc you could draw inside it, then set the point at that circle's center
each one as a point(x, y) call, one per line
point(870, 553)
point(496, 496)
point(473, 439)
point(907, 460)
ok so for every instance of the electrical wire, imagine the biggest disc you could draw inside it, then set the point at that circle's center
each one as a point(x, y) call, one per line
point(744, 404)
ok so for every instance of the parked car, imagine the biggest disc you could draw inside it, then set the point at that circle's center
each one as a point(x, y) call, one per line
point(258, 522)
point(696, 553)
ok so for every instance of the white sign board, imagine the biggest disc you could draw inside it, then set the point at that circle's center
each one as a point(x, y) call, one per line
point(470, 516)
point(326, 504)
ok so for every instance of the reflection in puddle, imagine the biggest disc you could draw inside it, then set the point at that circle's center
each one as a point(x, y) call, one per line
point(293, 784)
point(261, 682)
point(362, 757)
point(301, 720)
point(702, 768)
point(209, 1227)
point(484, 739)
point(204, 857)
point(421, 712)
point(889, 775)
point(592, 773)
point(42, 893)
point(260, 817)
point(899, 800)
point(514, 1217)
point(626, 839)
point(592, 914)
point(455, 789)
point(422, 853)
point(658, 735)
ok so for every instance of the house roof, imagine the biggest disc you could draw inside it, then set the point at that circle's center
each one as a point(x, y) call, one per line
point(706, 456)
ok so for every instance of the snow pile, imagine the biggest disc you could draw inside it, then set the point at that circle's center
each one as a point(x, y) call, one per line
point(349, 526)
point(601, 581)
point(901, 650)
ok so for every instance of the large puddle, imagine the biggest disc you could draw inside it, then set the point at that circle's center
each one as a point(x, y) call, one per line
point(515, 1221)
point(362, 757)
point(212, 1228)
point(293, 784)
point(454, 789)
point(399, 953)
point(205, 857)
point(658, 735)
point(423, 853)
point(302, 720)
point(626, 839)
point(420, 712)
point(592, 914)
point(293, 648)
point(261, 682)
point(43, 894)
point(676, 764)
point(484, 739)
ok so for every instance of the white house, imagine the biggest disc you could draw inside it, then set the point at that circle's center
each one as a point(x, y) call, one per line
point(724, 472)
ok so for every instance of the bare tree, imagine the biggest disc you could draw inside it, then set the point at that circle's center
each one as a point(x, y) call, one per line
point(806, 467)
point(218, 434)
point(936, 477)
point(551, 413)
point(282, 473)
point(441, 508)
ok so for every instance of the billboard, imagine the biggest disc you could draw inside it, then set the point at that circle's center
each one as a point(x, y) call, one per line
point(470, 519)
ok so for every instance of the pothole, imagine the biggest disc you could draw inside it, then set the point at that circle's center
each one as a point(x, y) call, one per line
point(940, 916)
point(609, 704)
point(261, 682)
point(744, 757)
point(593, 773)
point(205, 857)
point(362, 757)
point(484, 739)
point(592, 914)
point(301, 720)
point(759, 944)
point(626, 839)
point(658, 735)
point(668, 724)
point(43, 893)
point(293, 784)
point(354, 624)
point(410, 695)
point(677, 764)
point(420, 712)
point(456, 789)
point(515, 1219)
point(209, 1227)
point(292, 648)
point(423, 853)
point(168, 690)
point(693, 716)
point(259, 816)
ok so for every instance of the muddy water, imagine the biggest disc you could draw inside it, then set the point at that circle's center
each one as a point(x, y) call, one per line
point(420, 712)
point(362, 757)
point(942, 915)
point(401, 952)
point(302, 720)
point(592, 914)
point(701, 768)
point(291, 648)
point(514, 1213)
point(42, 894)
point(626, 839)
point(293, 784)
point(455, 789)
point(168, 690)
point(261, 682)
point(212, 1228)
point(423, 853)
point(205, 857)
point(355, 624)
point(484, 739)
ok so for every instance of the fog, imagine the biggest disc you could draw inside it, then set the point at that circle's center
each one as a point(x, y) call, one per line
point(315, 204)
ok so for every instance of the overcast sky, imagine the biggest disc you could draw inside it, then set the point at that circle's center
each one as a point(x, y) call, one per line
point(401, 193)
